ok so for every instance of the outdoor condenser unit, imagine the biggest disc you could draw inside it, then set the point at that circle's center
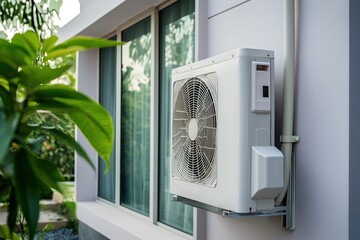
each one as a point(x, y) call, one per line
point(222, 121)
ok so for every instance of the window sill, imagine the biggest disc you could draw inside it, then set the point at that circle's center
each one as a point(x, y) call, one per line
point(114, 223)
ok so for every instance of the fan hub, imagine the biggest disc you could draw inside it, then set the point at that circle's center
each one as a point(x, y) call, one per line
point(193, 129)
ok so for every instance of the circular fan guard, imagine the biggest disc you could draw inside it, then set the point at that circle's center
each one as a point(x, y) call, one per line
point(194, 131)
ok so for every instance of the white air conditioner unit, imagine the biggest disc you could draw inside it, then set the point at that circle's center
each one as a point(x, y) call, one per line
point(223, 131)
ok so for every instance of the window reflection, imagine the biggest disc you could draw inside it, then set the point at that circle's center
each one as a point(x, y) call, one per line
point(107, 96)
point(135, 117)
point(177, 44)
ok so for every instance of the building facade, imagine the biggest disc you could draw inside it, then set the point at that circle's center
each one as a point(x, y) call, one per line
point(132, 82)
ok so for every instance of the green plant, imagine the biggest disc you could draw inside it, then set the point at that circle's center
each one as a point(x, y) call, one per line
point(51, 148)
point(27, 68)
point(20, 15)
point(21, 227)
point(48, 227)
point(6, 234)
point(68, 209)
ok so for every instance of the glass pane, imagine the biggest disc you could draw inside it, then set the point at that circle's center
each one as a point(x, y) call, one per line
point(135, 117)
point(107, 98)
point(177, 23)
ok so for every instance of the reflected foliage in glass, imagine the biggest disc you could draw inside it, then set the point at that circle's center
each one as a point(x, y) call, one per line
point(135, 117)
point(177, 41)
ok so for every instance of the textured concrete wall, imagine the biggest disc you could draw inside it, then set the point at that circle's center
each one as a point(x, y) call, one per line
point(87, 233)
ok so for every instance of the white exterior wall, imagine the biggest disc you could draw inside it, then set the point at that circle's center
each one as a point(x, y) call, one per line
point(85, 180)
point(322, 120)
point(321, 114)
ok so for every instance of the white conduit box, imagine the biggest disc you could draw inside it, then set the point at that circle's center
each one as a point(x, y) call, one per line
point(267, 181)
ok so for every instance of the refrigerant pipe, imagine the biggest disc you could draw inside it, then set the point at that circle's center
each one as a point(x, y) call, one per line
point(287, 137)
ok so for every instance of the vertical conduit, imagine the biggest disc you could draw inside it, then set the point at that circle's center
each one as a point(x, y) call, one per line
point(288, 93)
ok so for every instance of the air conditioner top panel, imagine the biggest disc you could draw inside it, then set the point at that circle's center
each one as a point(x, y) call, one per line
point(240, 52)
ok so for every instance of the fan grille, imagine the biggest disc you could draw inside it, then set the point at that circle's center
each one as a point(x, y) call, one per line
point(194, 130)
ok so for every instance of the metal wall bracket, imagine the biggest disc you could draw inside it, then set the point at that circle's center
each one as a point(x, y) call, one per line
point(288, 211)
point(277, 211)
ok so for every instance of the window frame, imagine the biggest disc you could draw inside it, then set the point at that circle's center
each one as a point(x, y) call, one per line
point(199, 216)
point(148, 13)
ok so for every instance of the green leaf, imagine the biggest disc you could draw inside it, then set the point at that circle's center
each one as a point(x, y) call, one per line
point(95, 126)
point(35, 144)
point(57, 91)
point(24, 130)
point(4, 83)
point(8, 69)
point(6, 101)
point(33, 40)
point(70, 142)
point(6, 234)
point(4, 188)
point(7, 165)
point(47, 172)
point(12, 210)
point(14, 53)
point(27, 191)
point(94, 123)
point(90, 117)
point(29, 41)
point(55, 4)
point(7, 130)
point(32, 77)
point(79, 43)
point(49, 43)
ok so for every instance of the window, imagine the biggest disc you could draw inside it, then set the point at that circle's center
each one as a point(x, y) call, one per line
point(107, 97)
point(130, 186)
point(135, 117)
point(176, 49)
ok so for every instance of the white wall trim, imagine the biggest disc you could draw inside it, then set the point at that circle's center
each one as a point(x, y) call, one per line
point(201, 35)
point(120, 224)
point(85, 181)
